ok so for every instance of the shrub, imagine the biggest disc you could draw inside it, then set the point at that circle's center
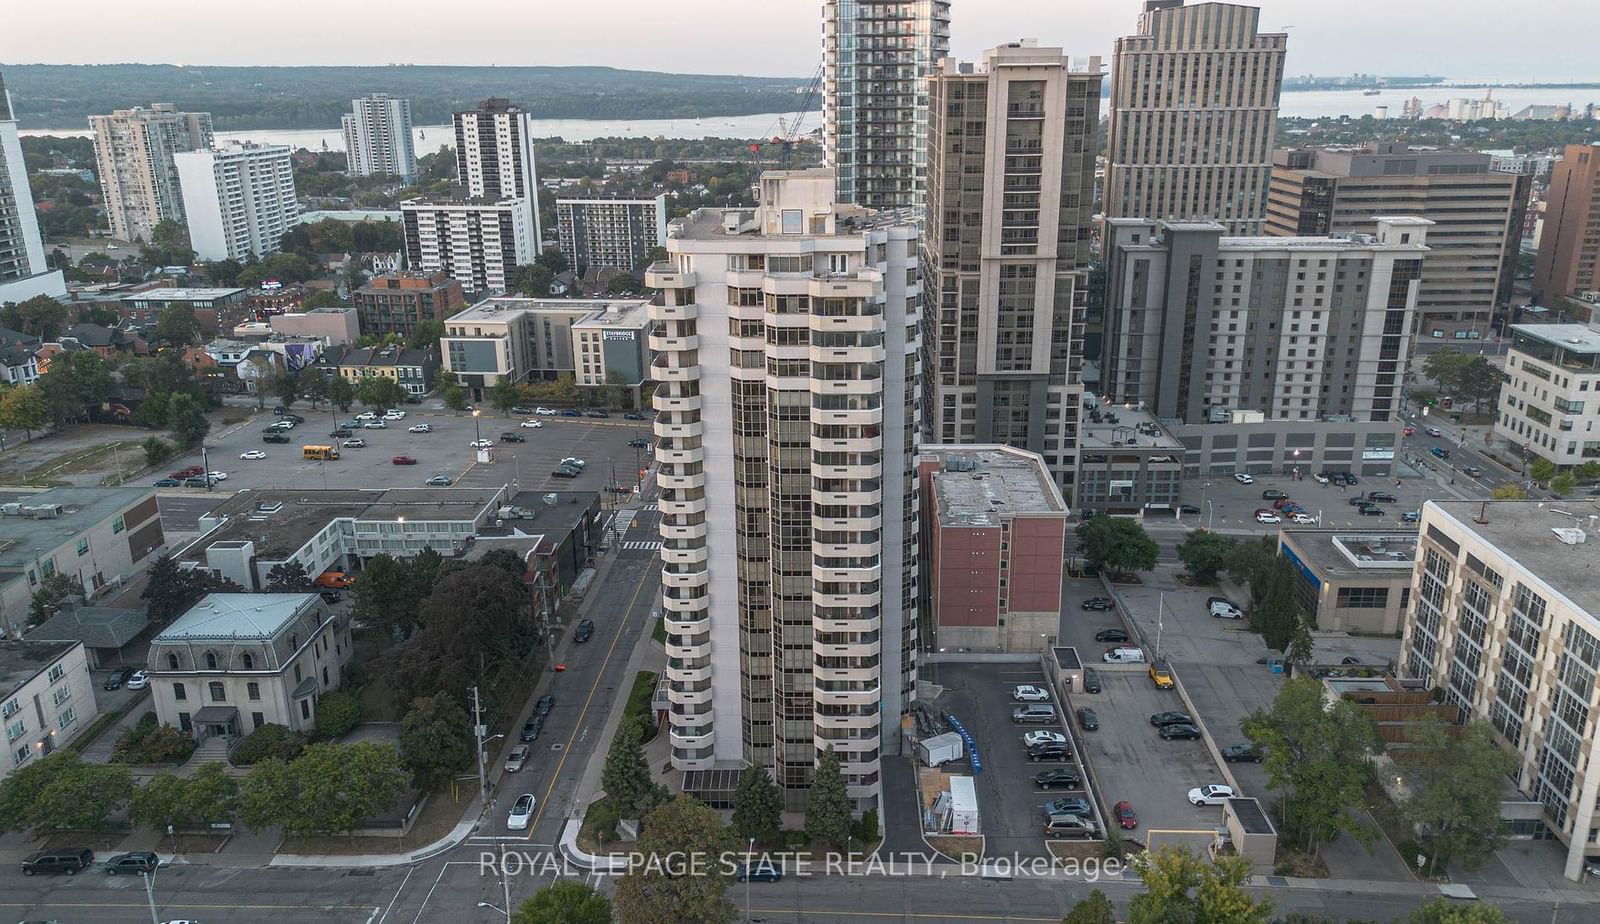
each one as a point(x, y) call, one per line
point(148, 742)
point(337, 713)
point(867, 828)
point(602, 820)
point(269, 741)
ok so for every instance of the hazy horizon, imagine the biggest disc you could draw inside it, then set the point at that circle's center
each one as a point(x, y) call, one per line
point(1475, 40)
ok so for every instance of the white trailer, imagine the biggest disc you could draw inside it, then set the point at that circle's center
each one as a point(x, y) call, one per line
point(941, 749)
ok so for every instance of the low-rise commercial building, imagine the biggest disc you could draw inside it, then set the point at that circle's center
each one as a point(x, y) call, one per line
point(1253, 444)
point(397, 302)
point(612, 342)
point(46, 698)
point(530, 339)
point(236, 662)
point(557, 533)
point(1505, 621)
point(215, 310)
point(1352, 581)
point(333, 326)
point(994, 538)
point(100, 536)
point(1550, 404)
point(1128, 463)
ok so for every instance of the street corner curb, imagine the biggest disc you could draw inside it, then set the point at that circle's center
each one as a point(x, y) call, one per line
point(450, 841)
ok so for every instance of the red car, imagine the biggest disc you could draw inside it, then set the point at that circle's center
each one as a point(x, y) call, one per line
point(1124, 815)
point(1409, 430)
point(404, 460)
point(1282, 502)
point(189, 472)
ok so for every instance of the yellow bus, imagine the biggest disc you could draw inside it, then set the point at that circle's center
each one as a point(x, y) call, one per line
point(320, 453)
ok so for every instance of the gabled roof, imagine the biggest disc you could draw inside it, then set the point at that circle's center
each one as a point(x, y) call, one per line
point(94, 626)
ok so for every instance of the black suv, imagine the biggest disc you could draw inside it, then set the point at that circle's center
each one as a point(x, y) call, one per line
point(138, 862)
point(340, 433)
point(584, 632)
point(512, 438)
point(1241, 753)
point(1111, 635)
point(1091, 680)
point(1050, 750)
point(1381, 496)
point(1171, 718)
point(67, 860)
point(274, 436)
point(531, 729)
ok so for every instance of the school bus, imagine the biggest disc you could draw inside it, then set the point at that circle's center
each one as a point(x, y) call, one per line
point(320, 453)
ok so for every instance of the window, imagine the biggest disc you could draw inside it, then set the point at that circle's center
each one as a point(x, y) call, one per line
point(179, 693)
point(218, 693)
point(211, 660)
point(117, 526)
point(61, 695)
point(16, 730)
point(258, 719)
point(67, 717)
point(23, 753)
point(248, 661)
point(1363, 597)
point(172, 661)
point(9, 709)
point(305, 709)
point(83, 547)
point(793, 221)
point(56, 672)
point(253, 690)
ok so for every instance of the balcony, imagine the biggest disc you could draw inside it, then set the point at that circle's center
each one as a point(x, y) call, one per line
point(665, 275)
point(661, 372)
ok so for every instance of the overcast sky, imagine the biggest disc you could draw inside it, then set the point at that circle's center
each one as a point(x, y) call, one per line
point(1457, 38)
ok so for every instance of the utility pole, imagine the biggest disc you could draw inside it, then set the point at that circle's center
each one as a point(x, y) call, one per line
point(1161, 606)
point(477, 733)
point(149, 878)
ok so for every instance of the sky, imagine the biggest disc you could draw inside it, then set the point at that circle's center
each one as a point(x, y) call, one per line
point(1473, 39)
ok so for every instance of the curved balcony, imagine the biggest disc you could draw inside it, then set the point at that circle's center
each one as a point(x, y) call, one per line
point(854, 472)
point(861, 444)
point(686, 579)
point(668, 403)
point(692, 738)
point(695, 505)
point(677, 456)
point(667, 428)
point(857, 323)
point(862, 283)
point(744, 279)
point(851, 600)
point(662, 343)
point(692, 724)
point(686, 531)
point(853, 524)
point(665, 373)
point(865, 354)
point(852, 498)
point(689, 674)
point(844, 747)
point(859, 417)
point(851, 650)
point(680, 481)
point(787, 284)
point(701, 649)
point(666, 275)
point(747, 343)
point(862, 697)
point(821, 572)
point(672, 312)
point(847, 721)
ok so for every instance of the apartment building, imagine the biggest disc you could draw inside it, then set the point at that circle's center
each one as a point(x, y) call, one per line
point(494, 161)
point(1569, 246)
point(396, 303)
point(1010, 194)
point(1477, 214)
point(134, 151)
point(476, 241)
point(239, 201)
point(1200, 325)
point(1550, 404)
point(618, 233)
point(612, 342)
point(23, 271)
point(786, 349)
point(46, 698)
point(1194, 115)
point(876, 57)
point(532, 339)
point(377, 138)
point(1505, 620)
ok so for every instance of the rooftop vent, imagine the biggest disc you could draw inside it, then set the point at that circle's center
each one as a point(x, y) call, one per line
point(1571, 535)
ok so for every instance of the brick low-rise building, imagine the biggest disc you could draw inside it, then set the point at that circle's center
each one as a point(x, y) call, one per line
point(398, 302)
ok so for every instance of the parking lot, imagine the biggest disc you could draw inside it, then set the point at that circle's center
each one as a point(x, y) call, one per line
point(447, 451)
point(1010, 806)
point(1130, 761)
point(1227, 505)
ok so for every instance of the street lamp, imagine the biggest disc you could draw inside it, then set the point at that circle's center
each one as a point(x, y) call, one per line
point(477, 432)
point(495, 907)
point(749, 860)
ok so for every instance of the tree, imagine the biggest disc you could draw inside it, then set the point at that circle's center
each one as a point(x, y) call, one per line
point(610, 394)
point(564, 901)
point(340, 392)
point(1204, 554)
point(425, 336)
point(1278, 613)
point(337, 714)
point(187, 420)
point(624, 284)
point(42, 317)
point(531, 279)
point(24, 408)
point(329, 789)
point(1182, 887)
point(1563, 484)
point(286, 387)
point(455, 397)
point(1509, 491)
point(169, 591)
point(503, 395)
point(314, 385)
point(1117, 544)
point(156, 450)
point(269, 741)
point(757, 807)
point(53, 591)
point(626, 776)
point(288, 577)
point(76, 385)
point(1542, 470)
point(1445, 367)
point(377, 391)
point(1444, 911)
point(1316, 759)
point(1455, 783)
point(210, 795)
point(475, 623)
point(61, 791)
point(387, 598)
point(177, 326)
point(1479, 381)
point(506, 560)
point(1301, 647)
point(828, 809)
point(323, 298)
point(435, 740)
point(224, 273)
point(1095, 909)
point(683, 827)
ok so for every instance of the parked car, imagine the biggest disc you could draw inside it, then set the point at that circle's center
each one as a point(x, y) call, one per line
point(1320, 478)
point(545, 411)
point(189, 472)
point(1241, 754)
point(1188, 508)
point(167, 483)
point(531, 424)
point(521, 812)
point(68, 860)
point(763, 869)
point(1382, 497)
point(137, 862)
point(639, 442)
point(1210, 794)
point(1125, 816)
point(1180, 732)
point(1274, 494)
point(394, 414)
point(353, 423)
point(1440, 452)
point(1433, 431)
point(1111, 635)
point(1036, 713)
point(439, 481)
point(1098, 603)
point(571, 412)
point(330, 596)
point(198, 482)
point(545, 703)
point(531, 728)
point(517, 758)
point(1471, 471)
point(509, 437)
point(1242, 478)
point(1029, 693)
point(1171, 718)
point(404, 460)
point(1071, 805)
point(1087, 720)
point(367, 415)
point(420, 428)
point(633, 415)
point(1043, 736)
point(595, 412)
point(1268, 518)
point(521, 410)
point(1348, 479)
point(252, 455)
point(274, 437)
point(375, 425)
point(1411, 516)
point(1302, 519)
point(1408, 430)
point(1161, 675)
point(282, 425)
point(1283, 502)
point(1371, 511)
point(114, 681)
point(1070, 826)
point(584, 631)
point(481, 443)
point(1091, 680)
point(1049, 752)
point(1061, 776)
point(356, 443)
point(564, 471)
point(575, 462)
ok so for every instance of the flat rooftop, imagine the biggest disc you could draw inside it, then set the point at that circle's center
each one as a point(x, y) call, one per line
point(1252, 820)
point(849, 220)
point(629, 315)
point(82, 509)
point(1122, 427)
point(555, 515)
point(279, 522)
point(503, 307)
point(976, 485)
point(1575, 338)
point(1523, 531)
point(1343, 553)
point(183, 295)
point(21, 660)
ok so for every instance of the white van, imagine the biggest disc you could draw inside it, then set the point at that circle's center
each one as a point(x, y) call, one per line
point(1123, 656)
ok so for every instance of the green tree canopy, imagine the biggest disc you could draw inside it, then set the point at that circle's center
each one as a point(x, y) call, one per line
point(649, 895)
point(1095, 908)
point(177, 326)
point(1182, 887)
point(61, 791)
point(288, 577)
point(1442, 910)
point(187, 420)
point(76, 385)
point(337, 713)
point(564, 901)
point(626, 776)
point(1455, 782)
point(377, 391)
point(51, 593)
point(1205, 554)
point(24, 408)
point(828, 809)
point(286, 387)
point(329, 789)
point(435, 740)
point(503, 395)
point(757, 807)
point(340, 392)
point(1117, 544)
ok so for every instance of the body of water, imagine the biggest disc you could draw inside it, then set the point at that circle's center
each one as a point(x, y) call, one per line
point(1306, 104)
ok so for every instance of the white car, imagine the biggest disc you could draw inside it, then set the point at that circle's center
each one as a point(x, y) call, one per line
point(253, 454)
point(531, 424)
point(138, 681)
point(375, 425)
point(1211, 794)
point(1028, 693)
point(521, 812)
point(356, 443)
point(367, 415)
point(1242, 478)
point(282, 425)
point(575, 462)
point(217, 476)
point(419, 428)
point(1321, 478)
point(1302, 519)
point(545, 411)
point(517, 758)
point(1268, 518)
point(1043, 737)
point(394, 415)
point(1221, 610)
point(482, 444)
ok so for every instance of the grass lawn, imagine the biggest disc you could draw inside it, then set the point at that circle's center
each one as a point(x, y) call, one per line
point(441, 814)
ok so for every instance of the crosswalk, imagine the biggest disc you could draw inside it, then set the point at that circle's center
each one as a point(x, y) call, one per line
point(651, 506)
point(623, 520)
point(641, 545)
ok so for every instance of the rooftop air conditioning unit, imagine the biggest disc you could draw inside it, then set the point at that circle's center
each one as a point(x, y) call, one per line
point(1571, 535)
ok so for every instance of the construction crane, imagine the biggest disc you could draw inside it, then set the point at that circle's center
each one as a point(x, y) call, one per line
point(789, 129)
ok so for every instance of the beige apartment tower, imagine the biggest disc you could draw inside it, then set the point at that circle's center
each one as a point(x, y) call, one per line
point(1194, 114)
point(134, 151)
point(1011, 151)
point(1569, 248)
point(785, 350)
